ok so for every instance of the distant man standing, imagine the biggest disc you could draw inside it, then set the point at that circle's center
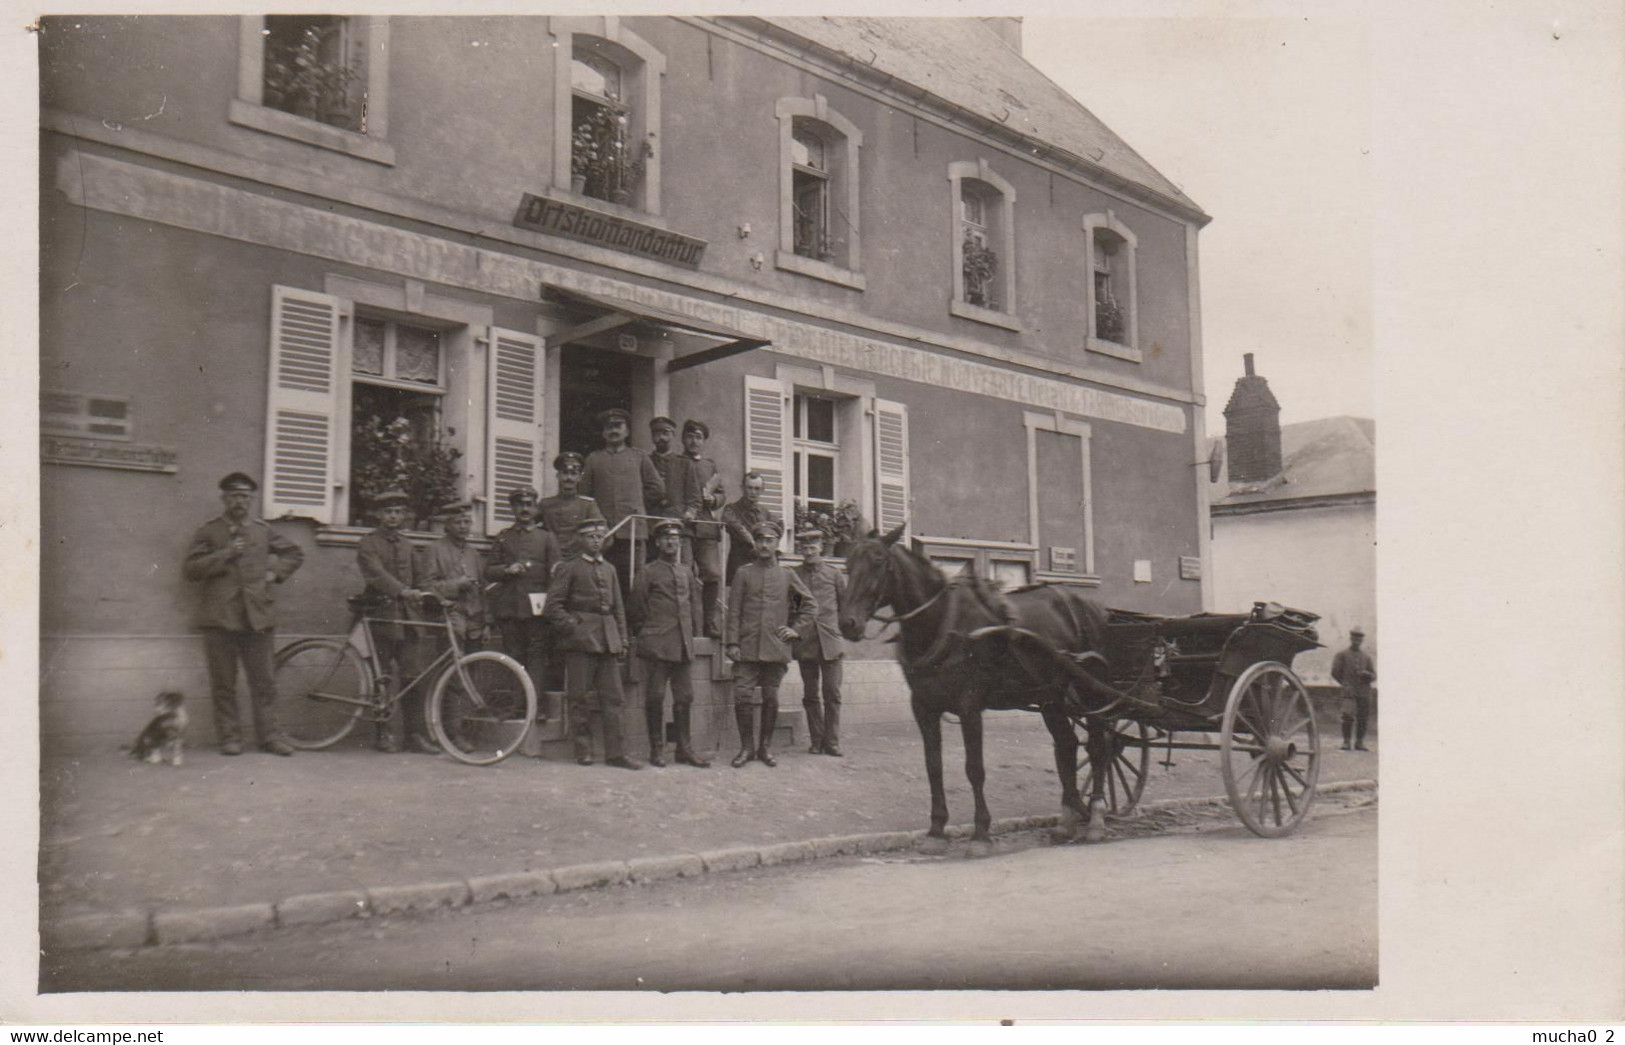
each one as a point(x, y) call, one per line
point(768, 608)
point(454, 571)
point(389, 568)
point(698, 494)
point(1355, 671)
point(565, 510)
point(665, 604)
point(742, 517)
point(585, 609)
point(624, 482)
point(819, 649)
point(521, 562)
point(232, 556)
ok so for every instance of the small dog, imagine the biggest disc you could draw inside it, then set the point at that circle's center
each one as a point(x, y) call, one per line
point(167, 729)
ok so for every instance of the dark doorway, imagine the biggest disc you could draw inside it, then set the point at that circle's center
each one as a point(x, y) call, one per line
point(591, 380)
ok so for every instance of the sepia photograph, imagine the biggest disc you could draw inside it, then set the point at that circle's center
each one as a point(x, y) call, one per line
point(742, 502)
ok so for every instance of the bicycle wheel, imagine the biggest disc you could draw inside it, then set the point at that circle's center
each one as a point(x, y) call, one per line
point(482, 708)
point(322, 687)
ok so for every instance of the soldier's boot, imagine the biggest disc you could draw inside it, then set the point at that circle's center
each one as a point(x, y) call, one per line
point(683, 714)
point(770, 718)
point(747, 749)
point(1348, 732)
point(815, 725)
point(581, 734)
point(832, 730)
point(654, 718)
point(1359, 738)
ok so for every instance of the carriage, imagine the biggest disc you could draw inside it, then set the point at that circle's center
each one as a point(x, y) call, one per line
point(1111, 685)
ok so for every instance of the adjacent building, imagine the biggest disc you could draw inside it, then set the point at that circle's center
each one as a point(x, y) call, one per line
point(886, 260)
point(1294, 515)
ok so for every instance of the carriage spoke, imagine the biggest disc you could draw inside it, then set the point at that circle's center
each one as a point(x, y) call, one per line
point(1296, 776)
point(1286, 792)
point(1275, 792)
point(1296, 725)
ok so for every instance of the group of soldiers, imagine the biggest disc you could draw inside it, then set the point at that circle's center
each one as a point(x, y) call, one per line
point(558, 583)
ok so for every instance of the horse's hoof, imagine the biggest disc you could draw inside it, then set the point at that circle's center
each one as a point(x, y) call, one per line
point(979, 847)
point(1096, 831)
point(932, 845)
point(1066, 830)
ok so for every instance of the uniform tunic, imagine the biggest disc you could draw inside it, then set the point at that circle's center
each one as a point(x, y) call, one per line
point(666, 466)
point(623, 483)
point(665, 605)
point(530, 544)
point(584, 606)
point(562, 514)
point(828, 587)
point(741, 518)
point(388, 567)
point(236, 595)
point(765, 597)
point(455, 572)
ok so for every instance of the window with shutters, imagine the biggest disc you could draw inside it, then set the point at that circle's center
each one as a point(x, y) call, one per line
point(824, 443)
point(391, 387)
point(1109, 287)
point(606, 120)
point(318, 79)
point(819, 227)
point(982, 243)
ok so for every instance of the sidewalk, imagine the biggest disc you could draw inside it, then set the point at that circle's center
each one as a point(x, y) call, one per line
point(124, 836)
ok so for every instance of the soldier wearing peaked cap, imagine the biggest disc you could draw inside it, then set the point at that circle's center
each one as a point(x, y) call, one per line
point(624, 482)
point(390, 569)
point(455, 571)
point(820, 648)
point(1355, 671)
point(741, 518)
point(663, 612)
point(585, 610)
point(697, 492)
point(768, 608)
point(239, 560)
point(521, 563)
point(567, 509)
point(662, 431)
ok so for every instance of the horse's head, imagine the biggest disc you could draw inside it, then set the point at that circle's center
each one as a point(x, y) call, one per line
point(866, 581)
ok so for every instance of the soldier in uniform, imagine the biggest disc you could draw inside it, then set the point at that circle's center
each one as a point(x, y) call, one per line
point(1355, 671)
point(819, 649)
point(390, 570)
point(238, 559)
point(768, 608)
point(662, 431)
point(585, 609)
point(625, 483)
point(563, 512)
point(741, 518)
point(454, 571)
point(665, 604)
point(698, 494)
point(521, 562)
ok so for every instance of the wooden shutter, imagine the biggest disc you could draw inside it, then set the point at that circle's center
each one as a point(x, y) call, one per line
point(891, 465)
point(309, 361)
point(514, 373)
point(767, 431)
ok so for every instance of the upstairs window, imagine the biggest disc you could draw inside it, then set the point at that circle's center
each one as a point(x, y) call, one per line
point(315, 66)
point(816, 453)
point(983, 244)
point(819, 231)
point(607, 115)
point(1113, 316)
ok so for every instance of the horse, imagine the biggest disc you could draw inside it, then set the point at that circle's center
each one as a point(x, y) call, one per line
point(965, 648)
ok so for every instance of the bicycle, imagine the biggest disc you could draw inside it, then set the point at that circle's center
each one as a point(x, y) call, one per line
point(482, 707)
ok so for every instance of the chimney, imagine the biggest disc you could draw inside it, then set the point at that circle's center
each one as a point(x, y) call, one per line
point(1007, 29)
point(1252, 428)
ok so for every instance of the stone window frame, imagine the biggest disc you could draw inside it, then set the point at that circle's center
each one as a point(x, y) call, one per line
point(1129, 350)
point(248, 109)
point(844, 191)
point(643, 68)
point(979, 170)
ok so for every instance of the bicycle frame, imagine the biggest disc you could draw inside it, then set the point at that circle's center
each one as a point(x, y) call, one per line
point(362, 641)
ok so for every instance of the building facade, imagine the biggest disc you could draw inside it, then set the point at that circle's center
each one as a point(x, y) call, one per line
point(1294, 517)
point(886, 260)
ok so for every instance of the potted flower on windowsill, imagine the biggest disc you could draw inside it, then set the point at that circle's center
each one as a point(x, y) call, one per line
point(1110, 323)
point(388, 456)
point(299, 80)
point(603, 164)
point(840, 525)
point(979, 265)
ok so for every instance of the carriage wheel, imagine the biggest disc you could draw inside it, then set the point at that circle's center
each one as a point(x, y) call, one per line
point(1269, 750)
point(1130, 766)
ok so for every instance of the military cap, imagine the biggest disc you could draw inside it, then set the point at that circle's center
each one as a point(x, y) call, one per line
point(765, 528)
point(454, 508)
point(692, 425)
point(567, 457)
point(523, 491)
point(809, 535)
point(1356, 630)
point(238, 481)
point(614, 413)
point(591, 522)
point(673, 528)
point(662, 422)
point(391, 497)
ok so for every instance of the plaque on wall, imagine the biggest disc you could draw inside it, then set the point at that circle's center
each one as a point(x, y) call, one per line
point(1063, 560)
point(131, 457)
point(558, 218)
point(1190, 568)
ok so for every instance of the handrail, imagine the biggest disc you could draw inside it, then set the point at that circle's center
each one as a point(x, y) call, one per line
point(634, 558)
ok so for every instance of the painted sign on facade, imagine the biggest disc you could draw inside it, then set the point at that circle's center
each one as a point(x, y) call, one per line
point(557, 218)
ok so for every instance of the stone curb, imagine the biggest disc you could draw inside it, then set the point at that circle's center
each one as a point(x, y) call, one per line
point(129, 929)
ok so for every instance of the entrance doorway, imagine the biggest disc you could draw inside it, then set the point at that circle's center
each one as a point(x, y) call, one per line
point(591, 380)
